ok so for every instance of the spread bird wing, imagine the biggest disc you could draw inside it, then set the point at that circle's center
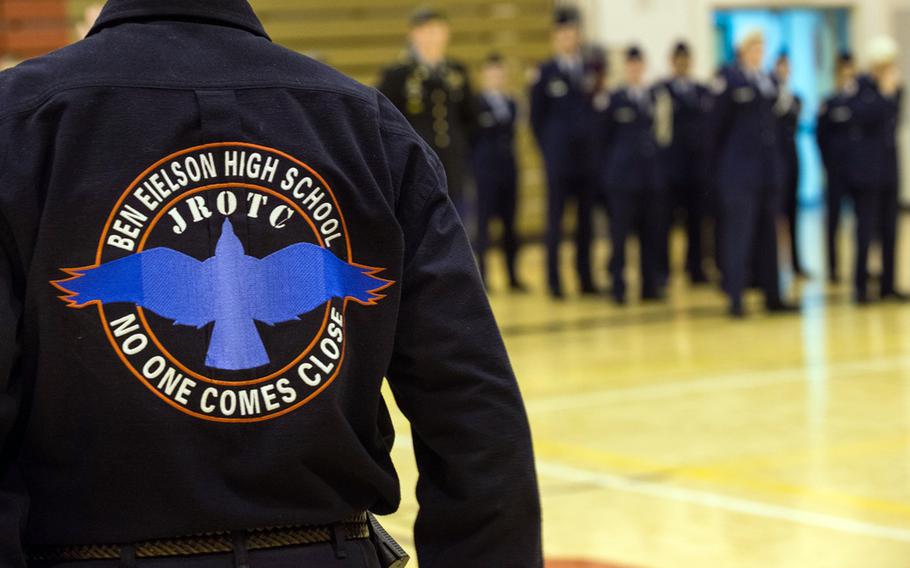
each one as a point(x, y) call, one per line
point(169, 283)
point(300, 278)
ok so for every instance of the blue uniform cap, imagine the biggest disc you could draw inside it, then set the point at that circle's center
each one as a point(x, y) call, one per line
point(566, 16)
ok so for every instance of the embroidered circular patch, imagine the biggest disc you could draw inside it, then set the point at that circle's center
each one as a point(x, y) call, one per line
point(222, 280)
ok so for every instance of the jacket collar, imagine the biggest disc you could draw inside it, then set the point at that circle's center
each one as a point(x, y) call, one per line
point(237, 13)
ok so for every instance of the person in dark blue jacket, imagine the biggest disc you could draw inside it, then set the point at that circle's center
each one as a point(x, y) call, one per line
point(495, 167)
point(633, 178)
point(835, 121)
point(562, 116)
point(685, 158)
point(874, 176)
point(788, 109)
point(213, 252)
point(749, 176)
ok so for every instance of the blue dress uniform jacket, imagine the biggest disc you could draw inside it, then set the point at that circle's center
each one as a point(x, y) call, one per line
point(745, 135)
point(875, 120)
point(562, 119)
point(212, 250)
point(496, 175)
point(833, 134)
point(874, 179)
point(635, 185)
point(749, 177)
point(438, 103)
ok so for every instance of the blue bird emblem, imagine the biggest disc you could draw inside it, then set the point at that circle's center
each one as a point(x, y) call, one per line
point(231, 289)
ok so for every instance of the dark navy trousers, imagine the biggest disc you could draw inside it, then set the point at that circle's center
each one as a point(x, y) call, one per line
point(561, 188)
point(876, 219)
point(497, 194)
point(835, 196)
point(748, 241)
point(634, 212)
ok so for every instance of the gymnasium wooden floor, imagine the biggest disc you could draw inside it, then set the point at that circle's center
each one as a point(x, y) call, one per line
point(669, 436)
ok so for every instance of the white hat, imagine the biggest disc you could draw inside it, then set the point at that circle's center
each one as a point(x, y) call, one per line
point(882, 51)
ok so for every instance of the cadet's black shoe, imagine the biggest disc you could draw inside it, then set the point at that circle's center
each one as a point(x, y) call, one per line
point(737, 311)
point(619, 300)
point(653, 298)
point(557, 295)
point(781, 307)
point(699, 279)
point(518, 287)
point(590, 290)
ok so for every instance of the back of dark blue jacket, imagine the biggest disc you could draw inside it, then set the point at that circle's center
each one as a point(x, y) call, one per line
point(212, 250)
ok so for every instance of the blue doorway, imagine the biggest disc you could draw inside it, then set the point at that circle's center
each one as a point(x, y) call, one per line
point(812, 38)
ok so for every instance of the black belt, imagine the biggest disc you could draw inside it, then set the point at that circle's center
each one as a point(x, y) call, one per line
point(356, 527)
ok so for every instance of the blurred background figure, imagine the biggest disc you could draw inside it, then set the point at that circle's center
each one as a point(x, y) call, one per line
point(685, 158)
point(833, 136)
point(749, 175)
point(634, 184)
point(789, 107)
point(876, 111)
point(434, 92)
point(562, 120)
point(495, 166)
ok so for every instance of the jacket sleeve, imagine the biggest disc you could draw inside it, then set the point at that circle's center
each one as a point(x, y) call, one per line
point(451, 376)
point(822, 133)
point(539, 109)
point(719, 119)
point(13, 497)
point(468, 107)
point(607, 127)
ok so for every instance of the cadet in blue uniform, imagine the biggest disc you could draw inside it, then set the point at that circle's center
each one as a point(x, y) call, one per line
point(434, 92)
point(875, 110)
point(685, 158)
point(562, 120)
point(788, 109)
point(749, 176)
point(495, 167)
point(633, 177)
point(833, 135)
point(212, 250)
